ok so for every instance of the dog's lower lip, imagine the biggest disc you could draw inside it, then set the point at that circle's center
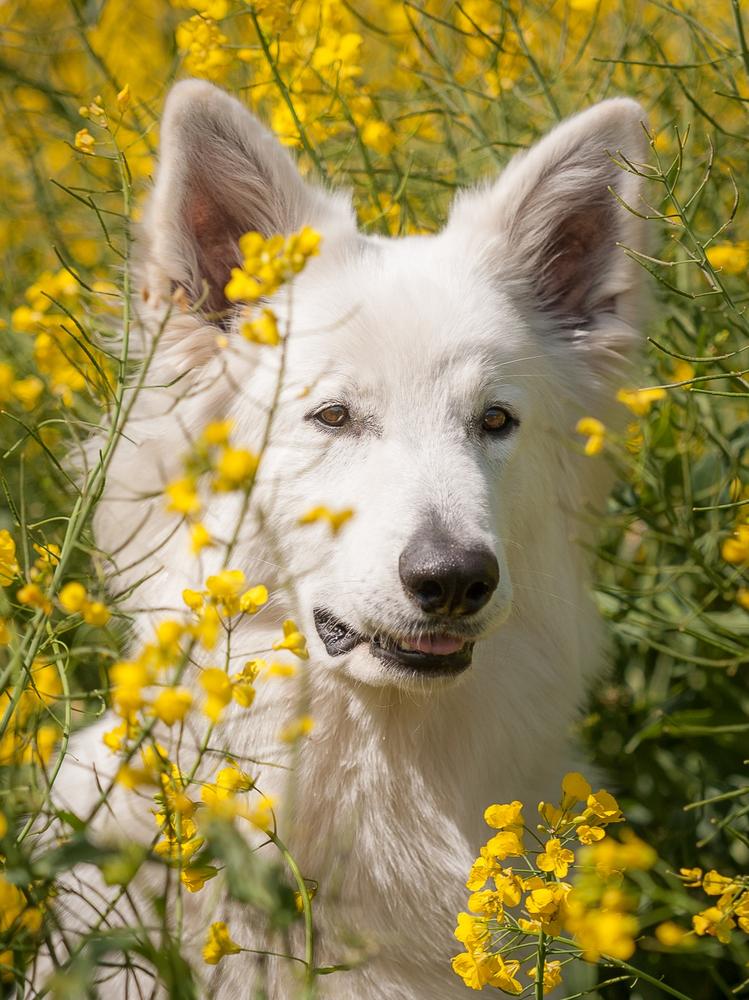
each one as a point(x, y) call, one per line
point(427, 654)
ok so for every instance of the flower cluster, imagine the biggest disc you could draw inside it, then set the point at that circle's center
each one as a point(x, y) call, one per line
point(203, 46)
point(32, 731)
point(62, 356)
point(226, 467)
point(34, 592)
point(730, 909)
point(267, 265)
point(531, 902)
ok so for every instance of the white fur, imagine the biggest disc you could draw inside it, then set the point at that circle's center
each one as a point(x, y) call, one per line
point(417, 335)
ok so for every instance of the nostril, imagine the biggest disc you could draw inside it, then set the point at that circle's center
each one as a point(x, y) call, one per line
point(429, 590)
point(478, 592)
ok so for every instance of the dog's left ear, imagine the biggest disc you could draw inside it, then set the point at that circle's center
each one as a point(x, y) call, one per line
point(221, 174)
point(551, 224)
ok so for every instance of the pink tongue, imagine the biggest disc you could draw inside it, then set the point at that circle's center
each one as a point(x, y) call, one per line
point(439, 645)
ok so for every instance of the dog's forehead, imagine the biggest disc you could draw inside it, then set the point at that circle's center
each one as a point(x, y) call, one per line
point(416, 304)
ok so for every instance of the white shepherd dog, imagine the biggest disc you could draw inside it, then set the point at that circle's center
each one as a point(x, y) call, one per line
point(432, 384)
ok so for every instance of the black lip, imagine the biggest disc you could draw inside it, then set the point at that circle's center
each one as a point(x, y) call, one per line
point(340, 638)
point(423, 663)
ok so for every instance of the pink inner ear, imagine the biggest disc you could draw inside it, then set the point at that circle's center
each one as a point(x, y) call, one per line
point(574, 259)
point(214, 236)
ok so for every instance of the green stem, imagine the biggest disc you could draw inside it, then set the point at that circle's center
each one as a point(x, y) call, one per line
point(540, 963)
point(309, 932)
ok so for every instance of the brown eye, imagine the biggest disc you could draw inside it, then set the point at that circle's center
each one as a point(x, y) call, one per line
point(496, 419)
point(334, 415)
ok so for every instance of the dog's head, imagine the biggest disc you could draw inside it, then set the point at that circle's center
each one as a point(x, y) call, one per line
point(430, 383)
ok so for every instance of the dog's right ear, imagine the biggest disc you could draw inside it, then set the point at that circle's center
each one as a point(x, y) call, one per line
point(221, 174)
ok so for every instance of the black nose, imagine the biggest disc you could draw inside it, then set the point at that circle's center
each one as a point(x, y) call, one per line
point(444, 578)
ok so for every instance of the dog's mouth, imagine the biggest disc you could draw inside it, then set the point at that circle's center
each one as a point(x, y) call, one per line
point(429, 654)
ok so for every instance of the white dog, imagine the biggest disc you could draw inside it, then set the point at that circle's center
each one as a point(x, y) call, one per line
point(432, 384)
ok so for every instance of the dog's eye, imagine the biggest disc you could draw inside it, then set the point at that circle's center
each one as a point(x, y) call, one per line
point(496, 419)
point(335, 415)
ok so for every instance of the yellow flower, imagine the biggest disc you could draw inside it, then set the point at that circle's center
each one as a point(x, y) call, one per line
point(27, 391)
point(172, 705)
point(5, 633)
point(733, 258)
point(217, 687)
point(49, 556)
point(682, 372)
point(548, 905)
point(336, 519)
point(217, 432)
point(84, 141)
point(253, 599)
point(241, 684)
point(486, 902)
point(603, 808)
point(262, 813)
point(200, 537)
point(268, 263)
point(220, 796)
point(639, 401)
point(635, 854)
point(741, 911)
point(195, 877)
point(276, 669)
point(295, 730)
point(15, 911)
point(202, 43)
point(595, 432)
point(555, 858)
point(692, 877)
point(123, 97)
point(552, 975)
point(72, 597)
point(715, 922)
point(736, 548)
point(9, 568)
point(503, 976)
point(715, 884)
point(601, 932)
point(505, 817)
point(207, 628)
point(233, 779)
point(218, 944)
point(95, 613)
point(193, 599)
point(482, 869)
point(742, 598)
point(183, 496)
point(32, 595)
point(480, 969)
point(128, 678)
point(589, 834)
point(168, 635)
point(116, 738)
point(235, 468)
point(293, 640)
point(262, 330)
point(224, 589)
point(472, 931)
point(671, 935)
point(379, 136)
point(504, 845)
point(575, 787)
